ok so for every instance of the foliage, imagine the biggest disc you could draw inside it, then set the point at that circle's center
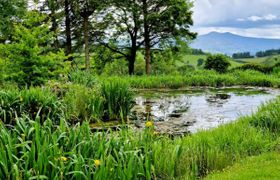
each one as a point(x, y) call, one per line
point(35, 103)
point(11, 10)
point(200, 62)
point(268, 53)
point(256, 67)
point(200, 78)
point(218, 62)
point(242, 55)
point(28, 59)
point(118, 100)
point(82, 77)
point(32, 150)
point(83, 104)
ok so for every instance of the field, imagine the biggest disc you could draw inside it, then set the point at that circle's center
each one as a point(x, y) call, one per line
point(193, 60)
point(266, 166)
point(266, 61)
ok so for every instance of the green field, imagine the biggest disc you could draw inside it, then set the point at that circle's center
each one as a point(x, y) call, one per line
point(266, 166)
point(267, 61)
point(193, 61)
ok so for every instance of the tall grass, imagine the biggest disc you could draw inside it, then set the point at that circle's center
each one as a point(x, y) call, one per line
point(32, 150)
point(34, 102)
point(201, 78)
point(118, 99)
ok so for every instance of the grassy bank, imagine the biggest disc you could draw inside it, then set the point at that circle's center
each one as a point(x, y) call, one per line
point(266, 166)
point(31, 149)
point(201, 78)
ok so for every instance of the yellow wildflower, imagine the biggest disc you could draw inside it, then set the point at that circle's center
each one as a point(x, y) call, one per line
point(156, 133)
point(20, 99)
point(97, 162)
point(149, 124)
point(64, 159)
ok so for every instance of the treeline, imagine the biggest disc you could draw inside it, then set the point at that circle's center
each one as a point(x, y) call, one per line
point(266, 53)
point(114, 27)
point(241, 55)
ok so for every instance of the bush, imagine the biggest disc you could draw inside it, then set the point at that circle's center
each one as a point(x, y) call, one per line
point(255, 67)
point(28, 58)
point(34, 102)
point(217, 62)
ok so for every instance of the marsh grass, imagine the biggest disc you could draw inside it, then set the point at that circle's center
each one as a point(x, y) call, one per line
point(200, 78)
point(34, 102)
point(32, 150)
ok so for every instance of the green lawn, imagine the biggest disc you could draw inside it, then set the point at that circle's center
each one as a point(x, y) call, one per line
point(266, 166)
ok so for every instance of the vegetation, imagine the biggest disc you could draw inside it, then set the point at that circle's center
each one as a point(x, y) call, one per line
point(218, 63)
point(200, 78)
point(242, 55)
point(265, 166)
point(34, 150)
point(69, 69)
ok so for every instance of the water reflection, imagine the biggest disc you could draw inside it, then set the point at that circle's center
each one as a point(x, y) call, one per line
point(198, 110)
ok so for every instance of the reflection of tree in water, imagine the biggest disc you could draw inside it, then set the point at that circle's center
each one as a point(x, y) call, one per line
point(218, 99)
point(164, 108)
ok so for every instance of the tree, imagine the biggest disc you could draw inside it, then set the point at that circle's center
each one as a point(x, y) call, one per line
point(85, 9)
point(218, 62)
point(28, 57)
point(163, 20)
point(10, 11)
point(121, 30)
point(53, 9)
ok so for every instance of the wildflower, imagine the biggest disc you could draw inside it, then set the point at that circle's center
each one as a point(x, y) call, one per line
point(64, 159)
point(20, 99)
point(156, 133)
point(149, 124)
point(97, 162)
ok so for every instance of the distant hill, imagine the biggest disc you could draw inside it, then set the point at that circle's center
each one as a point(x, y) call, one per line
point(229, 43)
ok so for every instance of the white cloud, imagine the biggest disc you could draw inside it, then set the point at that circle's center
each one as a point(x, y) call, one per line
point(207, 12)
point(269, 17)
point(247, 17)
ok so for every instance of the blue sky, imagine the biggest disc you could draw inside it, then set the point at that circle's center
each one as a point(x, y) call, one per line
point(254, 18)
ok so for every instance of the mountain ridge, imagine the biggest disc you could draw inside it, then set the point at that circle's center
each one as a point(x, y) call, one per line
point(229, 43)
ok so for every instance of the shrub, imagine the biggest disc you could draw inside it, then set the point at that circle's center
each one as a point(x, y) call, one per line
point(256, 67)
point(34, 102)
point(200, 62)
point(28, 58)
point(217, 62)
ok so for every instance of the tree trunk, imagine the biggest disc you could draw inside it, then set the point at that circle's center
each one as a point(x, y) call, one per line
point(86, 41)
point(68, 30)
point(131, 61)
point(147, 38)
point(148, 59)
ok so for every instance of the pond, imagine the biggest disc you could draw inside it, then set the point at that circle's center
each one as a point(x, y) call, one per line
point(191, 110)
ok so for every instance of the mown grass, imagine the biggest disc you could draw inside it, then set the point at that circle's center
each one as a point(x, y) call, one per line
point(200, 78)
point(265, 166)
point(34, 150)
